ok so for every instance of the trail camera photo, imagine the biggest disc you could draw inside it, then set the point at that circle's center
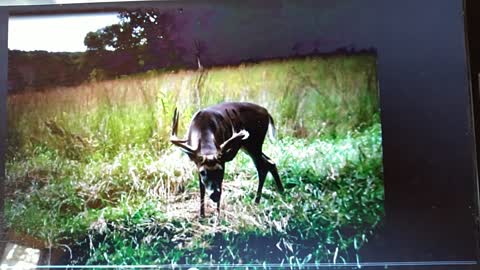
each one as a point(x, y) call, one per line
point(148, 144)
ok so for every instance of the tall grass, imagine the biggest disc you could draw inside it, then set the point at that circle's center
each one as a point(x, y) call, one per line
point(91, 166)
point(313, 97)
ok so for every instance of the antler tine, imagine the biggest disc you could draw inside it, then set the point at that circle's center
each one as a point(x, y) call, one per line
point(175, 122)
point(182, 143)
point(174, 137)
point(238, 134)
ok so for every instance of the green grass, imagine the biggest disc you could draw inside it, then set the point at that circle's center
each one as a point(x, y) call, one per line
point(333, 197)
point(91, 167)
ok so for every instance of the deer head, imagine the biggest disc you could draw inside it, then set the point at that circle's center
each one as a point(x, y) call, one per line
point(211, 166)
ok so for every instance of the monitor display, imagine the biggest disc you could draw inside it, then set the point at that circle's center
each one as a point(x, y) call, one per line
point(146, 137)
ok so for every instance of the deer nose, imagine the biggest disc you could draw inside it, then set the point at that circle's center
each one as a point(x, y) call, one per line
point(215, 196)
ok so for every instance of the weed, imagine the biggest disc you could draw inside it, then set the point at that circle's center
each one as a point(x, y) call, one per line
point(91, 167)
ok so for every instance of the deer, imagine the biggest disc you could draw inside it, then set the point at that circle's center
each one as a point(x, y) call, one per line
point(216, 134)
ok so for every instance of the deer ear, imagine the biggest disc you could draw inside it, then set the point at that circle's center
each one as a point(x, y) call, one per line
point(229, 155)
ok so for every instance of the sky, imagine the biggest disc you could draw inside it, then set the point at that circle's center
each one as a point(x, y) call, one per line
point(55, 33)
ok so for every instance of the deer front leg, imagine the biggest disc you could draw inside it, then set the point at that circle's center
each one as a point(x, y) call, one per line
point(202, 198)
point(219, 200)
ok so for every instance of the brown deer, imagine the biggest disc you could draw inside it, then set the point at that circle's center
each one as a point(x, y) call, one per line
point(215, 136)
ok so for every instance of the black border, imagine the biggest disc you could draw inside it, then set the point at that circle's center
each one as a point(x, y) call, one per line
point(431, 182)
point(3, 111)
point(472, 40)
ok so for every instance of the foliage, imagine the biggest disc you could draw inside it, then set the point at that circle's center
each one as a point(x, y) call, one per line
point(40, 69)
point(91, 167)
point(334, 194)
point(142, 40)
point(146, 33)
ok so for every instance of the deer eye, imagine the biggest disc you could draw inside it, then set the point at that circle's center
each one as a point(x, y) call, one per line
point(203, 173)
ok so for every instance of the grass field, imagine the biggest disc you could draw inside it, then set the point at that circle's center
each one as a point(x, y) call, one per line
point(91, 168)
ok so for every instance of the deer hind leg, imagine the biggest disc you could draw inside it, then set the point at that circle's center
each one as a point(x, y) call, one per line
point(202, 198)
point(264, 165)
point(272, 168)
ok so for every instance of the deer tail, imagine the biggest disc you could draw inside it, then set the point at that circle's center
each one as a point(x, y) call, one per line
point(272, 130)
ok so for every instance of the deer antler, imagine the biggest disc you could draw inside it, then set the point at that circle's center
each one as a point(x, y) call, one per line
point(182, 143)
point(230, 147)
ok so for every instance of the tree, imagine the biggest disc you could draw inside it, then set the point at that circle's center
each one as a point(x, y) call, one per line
point(147, 33)
point(95, 41)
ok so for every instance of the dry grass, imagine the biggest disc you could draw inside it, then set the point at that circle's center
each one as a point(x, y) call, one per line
point(94, 162)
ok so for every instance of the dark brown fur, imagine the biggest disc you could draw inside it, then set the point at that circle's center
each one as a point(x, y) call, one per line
point(215, 136)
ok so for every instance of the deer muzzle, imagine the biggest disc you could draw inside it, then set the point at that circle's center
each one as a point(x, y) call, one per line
point(215, 196)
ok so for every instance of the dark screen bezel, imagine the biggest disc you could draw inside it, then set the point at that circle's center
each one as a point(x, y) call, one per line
point(424, 199)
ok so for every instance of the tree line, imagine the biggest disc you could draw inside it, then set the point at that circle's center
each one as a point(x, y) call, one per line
point(143, 40)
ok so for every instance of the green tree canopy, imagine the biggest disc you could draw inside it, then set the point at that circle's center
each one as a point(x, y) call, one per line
point(119, 36)
point(148, 33)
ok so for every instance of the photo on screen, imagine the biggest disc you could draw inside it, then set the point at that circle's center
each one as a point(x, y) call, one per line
point(118, 126)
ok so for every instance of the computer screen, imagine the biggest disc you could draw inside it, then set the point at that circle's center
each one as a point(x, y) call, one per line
point(208, 134)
